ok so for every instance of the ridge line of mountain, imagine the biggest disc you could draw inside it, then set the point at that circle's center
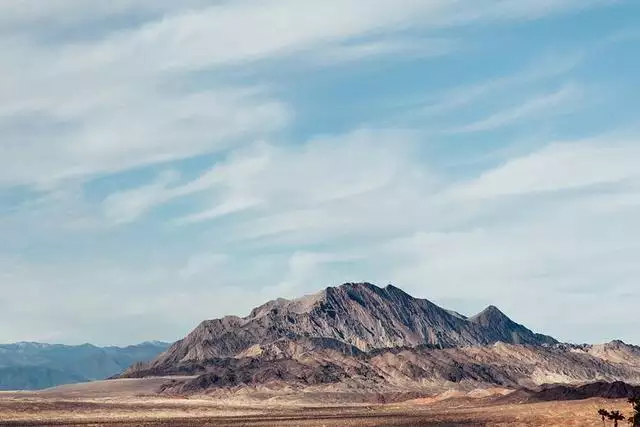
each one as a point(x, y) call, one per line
point(359, 314)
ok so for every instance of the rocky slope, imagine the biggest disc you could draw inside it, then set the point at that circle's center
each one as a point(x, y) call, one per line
point(310, 363)
point(32, 366)
point(360, 315)
point(359, 337)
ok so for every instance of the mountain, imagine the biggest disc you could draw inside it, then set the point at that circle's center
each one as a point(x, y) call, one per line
point(359, 315)
point(35, 377)
point(31, 366)
point(362, 339)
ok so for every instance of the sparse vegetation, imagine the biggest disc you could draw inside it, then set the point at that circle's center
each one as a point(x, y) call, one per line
point(605, 416)
point(634, 420)
point(616, 416)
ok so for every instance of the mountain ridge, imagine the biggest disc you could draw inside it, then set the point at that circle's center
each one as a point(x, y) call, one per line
point(360, 338)
point(33, 365)
point(363, 315)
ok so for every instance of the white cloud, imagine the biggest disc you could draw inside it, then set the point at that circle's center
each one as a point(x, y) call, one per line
point(128, 205)
point(535, 9)
point(405, 47)
point(355, 184)
point(541, 69)
point(124, 130)
point(546, 105)
point(32, 14)
point(559, 166)
point(116, 100)
point(548, 262)
point(232, 205)
point(272, 179)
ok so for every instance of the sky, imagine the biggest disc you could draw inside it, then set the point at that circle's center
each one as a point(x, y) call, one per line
point(163, 162)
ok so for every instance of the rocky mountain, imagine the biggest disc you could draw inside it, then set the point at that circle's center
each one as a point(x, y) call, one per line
point(361, 316)
point(31, 366)
point(362, 340)
point(378, 340)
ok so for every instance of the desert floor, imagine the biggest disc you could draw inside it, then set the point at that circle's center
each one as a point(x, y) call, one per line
point(87, 407)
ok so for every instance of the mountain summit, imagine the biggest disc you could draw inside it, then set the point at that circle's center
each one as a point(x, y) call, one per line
point(360, 316)
point(500, 328)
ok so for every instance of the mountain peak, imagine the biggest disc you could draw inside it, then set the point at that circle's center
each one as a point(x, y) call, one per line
point(490, 313)
point(502, 328)
point(358, 314)
point(358, 286)
point(386, 292)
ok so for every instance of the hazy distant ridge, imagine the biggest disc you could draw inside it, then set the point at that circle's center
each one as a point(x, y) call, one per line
point(32, 366)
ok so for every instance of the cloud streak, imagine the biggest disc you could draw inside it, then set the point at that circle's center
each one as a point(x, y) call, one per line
point(113, 102)
point(550, 104)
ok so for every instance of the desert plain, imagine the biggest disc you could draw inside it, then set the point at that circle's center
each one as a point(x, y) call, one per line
point(128, 403)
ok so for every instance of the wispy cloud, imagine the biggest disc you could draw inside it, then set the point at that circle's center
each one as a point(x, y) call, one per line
point(546, 105)
point(271, 177)
point(559, 166)
point(128, 205)
point(540, 70)
point(229, 206)
point(399, 47)
point(113, 101)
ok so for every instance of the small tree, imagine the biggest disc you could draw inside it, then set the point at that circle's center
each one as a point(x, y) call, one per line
point(604, 414)
point(635, 418)
point(616, 416)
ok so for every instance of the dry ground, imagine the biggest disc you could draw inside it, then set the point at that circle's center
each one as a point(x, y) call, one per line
point(126, 404)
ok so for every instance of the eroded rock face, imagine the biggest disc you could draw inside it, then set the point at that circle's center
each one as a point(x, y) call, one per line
point(361, 337)
point(358, 314)
point(309, 363)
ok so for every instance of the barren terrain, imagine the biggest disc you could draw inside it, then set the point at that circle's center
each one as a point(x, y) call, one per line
point(126, 403)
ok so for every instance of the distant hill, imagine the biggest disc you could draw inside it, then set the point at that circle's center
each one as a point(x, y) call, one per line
point(563, 392)
point(614, 390)
point(33, 366)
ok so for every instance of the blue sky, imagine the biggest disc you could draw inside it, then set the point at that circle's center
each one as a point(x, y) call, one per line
point(166, 162)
